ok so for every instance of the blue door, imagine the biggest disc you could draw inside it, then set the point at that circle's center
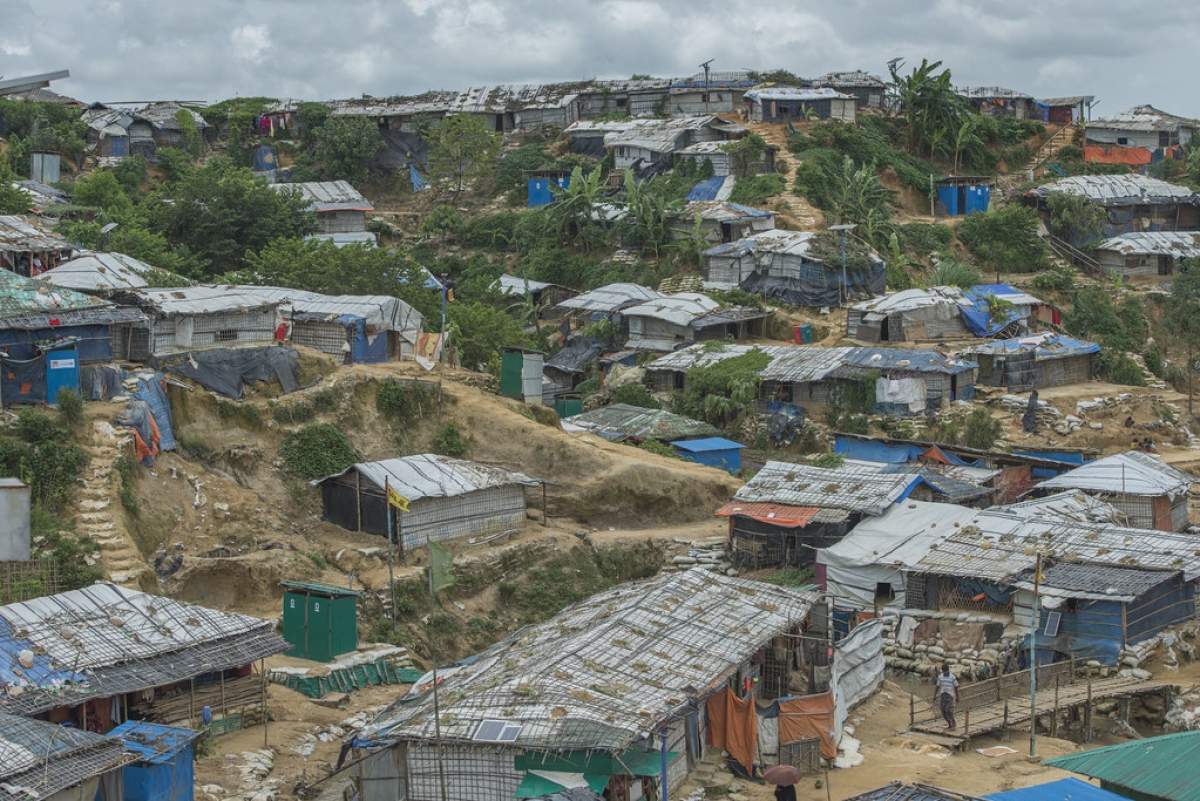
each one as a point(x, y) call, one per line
point(62, 371)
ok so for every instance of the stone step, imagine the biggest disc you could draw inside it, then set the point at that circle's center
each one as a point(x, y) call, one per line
point(86, 518)
point(95, 505)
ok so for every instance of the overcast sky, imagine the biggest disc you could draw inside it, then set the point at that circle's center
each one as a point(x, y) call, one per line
point(1125, 53)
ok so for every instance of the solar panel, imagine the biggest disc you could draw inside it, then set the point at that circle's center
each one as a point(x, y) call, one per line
point(1052, 621)
point(497, 731)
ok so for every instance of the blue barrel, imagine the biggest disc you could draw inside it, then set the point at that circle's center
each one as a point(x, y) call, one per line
point(806, 333)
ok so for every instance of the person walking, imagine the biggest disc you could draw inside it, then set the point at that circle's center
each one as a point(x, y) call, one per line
point(945, 693)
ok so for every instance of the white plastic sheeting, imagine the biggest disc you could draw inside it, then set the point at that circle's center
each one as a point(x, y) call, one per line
point(858, 667)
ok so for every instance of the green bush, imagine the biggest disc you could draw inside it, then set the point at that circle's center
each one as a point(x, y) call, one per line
point(316, 451)
point(129, 499)
point(661, 448)
point(925, 238)
point(982, 430)
point(634, 395)
point(828, 461)
point(952, 272)
point(755, 190)
point(1117, 368)
point(1154, 360)
point(398, 402)
point(449, 440)
point(1057, 278)
point(70, 408)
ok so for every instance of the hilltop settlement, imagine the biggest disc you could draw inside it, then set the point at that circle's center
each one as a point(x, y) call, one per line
point(730, 436)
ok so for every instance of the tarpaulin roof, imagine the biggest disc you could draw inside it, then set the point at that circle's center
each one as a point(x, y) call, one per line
point(1143, 118)
point(38, 758)
point(622, 421)
point(579, 352)
point(1069, 789)
point(384, 312)
point(911, 792)
point(606, 670)
point(798, 364)
point(1180, 244)
point(1016, 297)
point(721, 211)
point(794, 93)
point(658, 135)
point(778, 514)
point(512, 285)
point(856, 488)
point(153, 744)
point(708, 444)
point(428, 475)
point(1131, 473)
point(708, 189)
point(16, 234)
point(99, 271)
point(693, 309)
point(102, 640)
point(1156, 767)
point(328, 195)
point(32, 303)
point(1046, 345)
point(921, 361)
point(912, 299)
point(1119, 190)
point(162, 115)
point(202, 299)
point(850, 79)
point(611, 298)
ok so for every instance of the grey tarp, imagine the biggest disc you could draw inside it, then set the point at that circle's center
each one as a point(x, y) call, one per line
point(227, 370)
point(825, 292)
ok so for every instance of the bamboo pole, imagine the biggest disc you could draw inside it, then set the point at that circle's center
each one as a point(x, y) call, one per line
point(262, 669)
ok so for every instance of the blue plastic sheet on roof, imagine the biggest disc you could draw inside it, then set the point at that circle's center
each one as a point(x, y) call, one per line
point(978, 319)
point(42, 674)
point(706, 189)
point(1055, 344)
point(874, 451)
point(1072, 788)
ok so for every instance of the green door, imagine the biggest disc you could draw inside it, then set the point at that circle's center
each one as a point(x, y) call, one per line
point(294, 610)
point(511, 364)
point(320, 628)
point(345, 624)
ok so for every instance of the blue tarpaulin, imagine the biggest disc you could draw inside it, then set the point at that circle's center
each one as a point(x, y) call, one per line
point(1070, 788)
point(706, 189)
point(164, 770)
point(150, 390)
point(418, 182)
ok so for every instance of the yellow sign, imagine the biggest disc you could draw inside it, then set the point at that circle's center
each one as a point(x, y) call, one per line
point(397, 500)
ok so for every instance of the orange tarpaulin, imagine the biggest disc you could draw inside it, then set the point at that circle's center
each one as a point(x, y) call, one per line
point(774, 513)
point(1117, 155)
point(806, 718)
point(733, 725)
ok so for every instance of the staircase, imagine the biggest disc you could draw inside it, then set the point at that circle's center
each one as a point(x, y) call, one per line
point(802, 215)
point(1047, 153)
point(117, 552)
point(1068, 252)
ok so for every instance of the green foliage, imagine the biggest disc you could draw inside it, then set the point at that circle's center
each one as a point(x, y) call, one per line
point(736, 297)
point(776, 76)
point(711, 388)
point(399, 402)
point(1000, 310)
point(449, 440)
point(982, 430)
point(747, 156)
point(1006, 240)
point(828, 460)
point(173, 163)
point(479, 331)
point(850, 192)
point(1154, 359)
point(516, 161)
point(647, 213)
point(1116, 326)
point(792, 576)
point(577, 574)
point(588, 386)
point(923, 239)
point(101, 190)
point(574, 216)
point(129, 500)
point(70, 408)
point(13, 200)
point(193, 140)
point(443, 221)
point(634, 395)
point(1117, 368)
point(316, 451)
point(43, 456)
point(345, 147)
point(461, 148)
point(357, 269)
point(660, 448)
point(130, 172)
point(754, 190)
point(1074, 219)
point(1056, 278)
point(222, 213)
point(933, 111)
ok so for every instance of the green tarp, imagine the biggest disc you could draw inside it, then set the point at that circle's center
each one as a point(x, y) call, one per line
point(633, 762)
point(381, 671)
point(536, 786)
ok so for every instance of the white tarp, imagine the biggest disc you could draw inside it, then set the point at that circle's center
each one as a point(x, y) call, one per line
point(858, 667)
point(907, 391)
point(880, 550)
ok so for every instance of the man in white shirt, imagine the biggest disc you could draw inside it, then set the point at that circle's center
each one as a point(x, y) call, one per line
point(945, 692)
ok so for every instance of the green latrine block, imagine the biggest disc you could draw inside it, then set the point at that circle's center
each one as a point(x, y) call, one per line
point(319, 620)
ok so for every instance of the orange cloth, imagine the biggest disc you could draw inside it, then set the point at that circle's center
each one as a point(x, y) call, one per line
point(733, 725)
point(141, 448)
point(1115, 154)
point(806, 718)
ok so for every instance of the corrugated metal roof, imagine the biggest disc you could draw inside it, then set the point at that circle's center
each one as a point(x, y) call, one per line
point(917, 360)
point(1046, 345)
point(1132, 473)
point(1120, 190)
point(658, 135)
point(162, 115)
point(911, 792)
point(795, 93)
point(98, 271)
point(853, 79)
point(1179, 244)
point(692, 309)
point(913, 299)
point(799, 364)
point(1143, 118)
point(512, 285)
point(1095, 582)
point(622, 421)
point(18, 234)
point(857, 488)
point(203, 299)
point(328, 195)
point(38, 758)
point(476, 100)
point(722, 211)
point(384, 312)
point(23, 296)
point(991, 93)
point(1069, 789)
point(1070, 506)
point(1073, 100)
point(1156, 767)
point(608, 669)
point(428, 475)
point(1016, 297)
point(611, 298)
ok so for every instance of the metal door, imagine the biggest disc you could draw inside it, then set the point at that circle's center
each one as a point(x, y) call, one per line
point(319, 634)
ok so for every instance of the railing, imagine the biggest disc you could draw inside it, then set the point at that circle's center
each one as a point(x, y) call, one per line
point(923, 711)
point(1067, 251)
point(1042, 154)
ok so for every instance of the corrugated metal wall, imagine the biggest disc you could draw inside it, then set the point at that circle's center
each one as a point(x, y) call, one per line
point(342, 221)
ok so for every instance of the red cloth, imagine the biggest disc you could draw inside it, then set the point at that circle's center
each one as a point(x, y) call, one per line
point(806, 718)
point(733, 725)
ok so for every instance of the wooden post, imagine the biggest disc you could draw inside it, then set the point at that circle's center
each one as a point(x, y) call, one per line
point(1087, 712)
point(262, 668)
point(358, 497)
point(224, 710)
point(545, 519)
point(1004, 725)
point(192, 705)
point(967, 720)
point(912, 710)
point(1054, 719)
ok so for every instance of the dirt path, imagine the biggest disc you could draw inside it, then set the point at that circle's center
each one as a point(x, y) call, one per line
point(802, 215)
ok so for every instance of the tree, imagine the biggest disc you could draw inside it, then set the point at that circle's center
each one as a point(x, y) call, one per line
point(574, 212)
point(856, 195)
point(13, 199)
point(346, 146)
point(101, 190)
point(1006, 240)
point(193, 140)
point(222, 212)
point(480, 330)
point(357, 269)
point(1183, 314)
point(1074, 219)
point(461, 147)
point(646, 214)
point(929, 104)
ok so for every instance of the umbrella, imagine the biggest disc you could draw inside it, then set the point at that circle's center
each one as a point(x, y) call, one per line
point(782, 775)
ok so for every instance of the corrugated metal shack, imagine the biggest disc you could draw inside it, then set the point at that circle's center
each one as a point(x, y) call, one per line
point(47, 762)
point(448, 498)
point(105, 654)
point(1040, 360)
point(101, 273)
point(1138, 136)
point(939, 313)
point(1151, 769)
point(340, 208)
point(716, 92)
point(1146, 253)
point(606, 303)
point(193, 318)
point(1133, 203)
point(778, 103)
point(780, 264)
point(867, 90)
point(672, 321)
point(21, 243)
point(720, 221)
point(645, 143)
point(997, 101)
point(1152, 493)
point(578, 693)
point(379, 328)
point(167, 130)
